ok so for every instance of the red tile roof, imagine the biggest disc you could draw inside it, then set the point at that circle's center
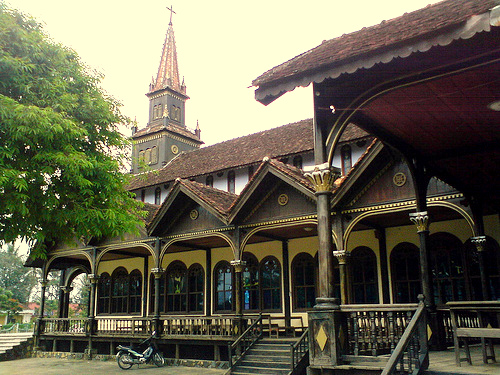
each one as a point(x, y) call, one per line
point(395, 32)
point(275, 143)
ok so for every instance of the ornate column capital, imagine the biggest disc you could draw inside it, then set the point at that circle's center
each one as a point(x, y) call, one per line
point(238, 264)
point(342, 256)
point(157, 272)
point(323, 177)
point(480, 242)
point(66, 289)
point(421, 220)
point(93, 277)
point(44, 283)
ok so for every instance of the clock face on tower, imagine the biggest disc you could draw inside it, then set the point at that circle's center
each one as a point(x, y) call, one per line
point(174, 149)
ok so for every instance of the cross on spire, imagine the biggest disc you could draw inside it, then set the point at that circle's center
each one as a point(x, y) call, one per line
point(171, 9)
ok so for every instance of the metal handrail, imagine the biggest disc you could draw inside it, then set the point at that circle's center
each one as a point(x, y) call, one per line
point(417, 326)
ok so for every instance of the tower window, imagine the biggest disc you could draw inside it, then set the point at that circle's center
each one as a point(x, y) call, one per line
point(143, 195)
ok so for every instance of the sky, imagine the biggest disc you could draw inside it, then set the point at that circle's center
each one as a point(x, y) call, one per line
point(222, 46)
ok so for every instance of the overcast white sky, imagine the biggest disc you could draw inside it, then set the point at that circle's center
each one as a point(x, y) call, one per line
point(222, 46)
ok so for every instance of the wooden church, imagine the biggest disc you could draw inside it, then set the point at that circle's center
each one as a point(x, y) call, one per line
point(322, 232)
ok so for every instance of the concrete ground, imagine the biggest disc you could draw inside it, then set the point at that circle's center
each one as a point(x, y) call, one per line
point(56, 366)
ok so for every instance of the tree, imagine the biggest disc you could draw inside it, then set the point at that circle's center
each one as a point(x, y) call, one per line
point(60, 147)
point(14, 276)
point(9, 304)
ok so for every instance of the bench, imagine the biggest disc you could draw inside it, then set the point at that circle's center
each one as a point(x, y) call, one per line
point(277, 325)
point(475, 319)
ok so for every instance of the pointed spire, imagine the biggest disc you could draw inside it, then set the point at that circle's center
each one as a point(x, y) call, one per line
point(168, 71)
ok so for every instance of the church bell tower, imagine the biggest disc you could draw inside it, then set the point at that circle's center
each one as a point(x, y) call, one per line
point(166, 134)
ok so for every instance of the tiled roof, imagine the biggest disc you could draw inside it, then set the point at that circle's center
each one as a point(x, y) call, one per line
point(278, 142)
point(404, 29)
point(274, 143)
point(218, 199)
point(151, 210)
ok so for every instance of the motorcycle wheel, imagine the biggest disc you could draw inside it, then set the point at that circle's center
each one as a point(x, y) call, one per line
point(158, 360)
point(124, 361)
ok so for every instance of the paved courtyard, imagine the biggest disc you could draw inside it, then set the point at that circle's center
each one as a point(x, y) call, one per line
point(56, 366)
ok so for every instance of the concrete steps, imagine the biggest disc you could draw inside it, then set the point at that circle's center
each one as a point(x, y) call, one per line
point(10, 342)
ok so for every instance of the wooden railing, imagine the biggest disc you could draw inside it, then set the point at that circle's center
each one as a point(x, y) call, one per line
point(198, 326)
point(299, 349)
point(123, 326)
point(237, 349)
point(71, 326)
point(411, 355)
point(375, 329)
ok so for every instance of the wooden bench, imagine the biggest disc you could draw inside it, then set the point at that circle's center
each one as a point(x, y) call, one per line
point(275, 328)
point(481, 318)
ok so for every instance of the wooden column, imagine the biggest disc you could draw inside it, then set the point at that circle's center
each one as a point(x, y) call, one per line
point(384, 268)
point(158, 273)
point(286, 283)
point(208, 282)
point(323, 177)
point(480, 243)
point(343, 259)
point(43, 283)
point(421, 220)
point(239, 266)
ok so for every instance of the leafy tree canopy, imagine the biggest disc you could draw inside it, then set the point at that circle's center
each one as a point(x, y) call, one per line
point(14, 276)
point(9, 304)
point(60, 148)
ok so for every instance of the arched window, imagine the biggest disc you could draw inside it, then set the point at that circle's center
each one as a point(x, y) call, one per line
point(297, 161)
point(158, 196)
point(304, 281)
point(210, 181)
point(141, 156)
point(231, 182)
point(405, 273)
point(196, 284)
point(154, 155)
point(135, 292)
point(270, 272)
point(147, 156)
point(447, 266)
point(224, 286)
point(346, 159)
point(104, 293)
point(176, 287)
point(251, 286)
point(119, 290)
point(364, 279)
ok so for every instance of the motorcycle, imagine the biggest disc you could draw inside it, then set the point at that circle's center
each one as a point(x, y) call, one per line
point(127, 356)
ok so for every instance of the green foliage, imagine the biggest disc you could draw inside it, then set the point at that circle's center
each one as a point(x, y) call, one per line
point(14, 276)
point(60, 148)
point(8, 303)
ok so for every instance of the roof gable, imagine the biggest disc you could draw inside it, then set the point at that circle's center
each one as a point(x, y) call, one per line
point(270, 182)
point(211, 206)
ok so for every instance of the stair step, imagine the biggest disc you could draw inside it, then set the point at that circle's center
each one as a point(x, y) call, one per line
point(258, 370)
point(261, 358)
point(264, 364)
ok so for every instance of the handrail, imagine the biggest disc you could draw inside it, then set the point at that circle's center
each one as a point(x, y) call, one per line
point(417, 322)
point(300, 347)
point(237, 343)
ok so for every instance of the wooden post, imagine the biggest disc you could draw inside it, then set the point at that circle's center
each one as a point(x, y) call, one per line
point(343, 258)
point(384, 268)
point(158, 274)
point(323, 177)
point(239, 266)
point(480, 243)
point(286, 283)
point(208, 281)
